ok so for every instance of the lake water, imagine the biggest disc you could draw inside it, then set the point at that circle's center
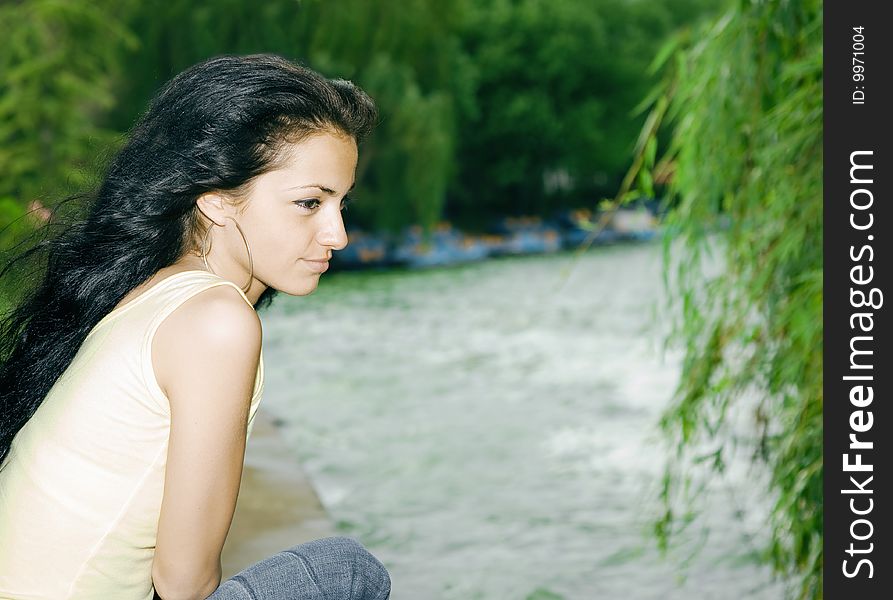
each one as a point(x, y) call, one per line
point(489, 431)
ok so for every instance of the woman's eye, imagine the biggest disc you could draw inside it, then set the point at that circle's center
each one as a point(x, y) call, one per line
point(313, 203)
point(308, 204)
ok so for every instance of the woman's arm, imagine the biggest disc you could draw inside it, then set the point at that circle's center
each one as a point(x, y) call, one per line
point(205, 356)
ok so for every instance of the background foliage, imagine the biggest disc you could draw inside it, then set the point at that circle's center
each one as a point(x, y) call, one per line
point(741, 100)
point(53, 92)
point(479, 100)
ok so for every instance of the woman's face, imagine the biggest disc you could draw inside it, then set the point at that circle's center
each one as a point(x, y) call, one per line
point(292, 217)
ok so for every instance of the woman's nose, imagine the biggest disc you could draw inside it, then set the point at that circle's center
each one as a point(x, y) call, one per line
point(332, 233)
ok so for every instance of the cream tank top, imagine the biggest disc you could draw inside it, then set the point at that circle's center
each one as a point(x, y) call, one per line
point(81, 489)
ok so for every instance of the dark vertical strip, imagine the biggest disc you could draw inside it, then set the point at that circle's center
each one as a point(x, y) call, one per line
point(858, 366)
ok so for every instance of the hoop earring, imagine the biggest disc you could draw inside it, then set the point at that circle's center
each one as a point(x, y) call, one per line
point(205, 251)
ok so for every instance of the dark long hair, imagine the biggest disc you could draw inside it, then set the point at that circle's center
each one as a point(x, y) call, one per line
point(213, 127)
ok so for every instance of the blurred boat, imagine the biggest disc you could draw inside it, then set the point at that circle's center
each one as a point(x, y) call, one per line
point(634, 223)
point(364, 250)
point(525, 235)
point(577, 225)
point(445, 246)
point(507, 237)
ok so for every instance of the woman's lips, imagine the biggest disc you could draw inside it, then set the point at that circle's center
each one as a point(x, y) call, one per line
point(317, 266)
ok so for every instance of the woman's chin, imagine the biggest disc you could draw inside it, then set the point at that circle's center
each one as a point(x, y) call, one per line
point(303, 288)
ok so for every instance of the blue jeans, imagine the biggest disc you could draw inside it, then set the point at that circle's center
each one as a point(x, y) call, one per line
point(332, 568)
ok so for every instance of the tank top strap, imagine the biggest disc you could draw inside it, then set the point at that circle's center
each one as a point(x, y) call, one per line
point(196, 281)
point(174, 290)
point(189, 282)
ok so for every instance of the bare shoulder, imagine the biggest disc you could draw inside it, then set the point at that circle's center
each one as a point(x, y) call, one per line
point(217, 314)
point(214, 331)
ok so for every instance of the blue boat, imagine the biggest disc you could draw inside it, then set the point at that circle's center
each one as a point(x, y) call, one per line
point(445, 246)
point(364, 250)
point(634, 223)
point(525, 235)
point(509, 236)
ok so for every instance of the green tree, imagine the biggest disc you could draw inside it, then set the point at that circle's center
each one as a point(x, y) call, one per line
point(478, 99)
point(742, 99)
point(58, 66)
point(556, 81)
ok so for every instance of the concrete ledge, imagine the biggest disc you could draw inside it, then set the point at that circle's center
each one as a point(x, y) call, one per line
point(277, 506)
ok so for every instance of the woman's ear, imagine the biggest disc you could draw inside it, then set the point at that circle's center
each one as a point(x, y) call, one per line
point(213, 206)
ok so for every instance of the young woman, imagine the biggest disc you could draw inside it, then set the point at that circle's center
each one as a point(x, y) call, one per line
point(130, 374)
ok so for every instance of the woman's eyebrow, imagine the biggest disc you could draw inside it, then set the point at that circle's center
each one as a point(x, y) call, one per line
point(321, 187)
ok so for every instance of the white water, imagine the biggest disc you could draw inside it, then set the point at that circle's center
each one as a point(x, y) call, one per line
point(488, 431)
